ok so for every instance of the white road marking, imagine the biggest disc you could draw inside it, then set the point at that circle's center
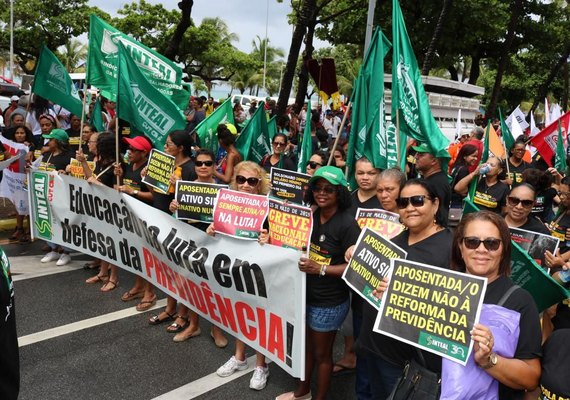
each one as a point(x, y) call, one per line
point(84, 324)
point(28, 267)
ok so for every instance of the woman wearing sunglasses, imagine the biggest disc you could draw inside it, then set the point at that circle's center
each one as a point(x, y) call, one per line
point(205, 170)
point(278, 158)
point(248, 177)
point(316, 161)
point(520, 201)
point(426, 241)
point(334, 231)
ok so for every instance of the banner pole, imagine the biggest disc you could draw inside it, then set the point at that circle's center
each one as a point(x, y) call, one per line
point(398, 137)
point(339, 132)
point(82, 117)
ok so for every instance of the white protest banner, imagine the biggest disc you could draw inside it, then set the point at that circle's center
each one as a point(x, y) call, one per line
point(238, 285)
point(13, 187)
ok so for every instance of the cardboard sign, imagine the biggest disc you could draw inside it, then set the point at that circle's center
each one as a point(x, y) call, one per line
point(239, 214)
point(289, 225)
point(431, 308)
point(289, 185)
point(370, 263)
point(383, 222)
point(534, 243)
point(196, 200)
point(76, 168)
point(158, 170)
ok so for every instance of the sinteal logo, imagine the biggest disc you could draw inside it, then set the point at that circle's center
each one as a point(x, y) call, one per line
point(408, 97)
point(443, 346)
point(151, 112)
point(40, 185)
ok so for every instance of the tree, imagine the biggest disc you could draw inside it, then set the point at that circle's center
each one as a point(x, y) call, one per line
point(73, 53)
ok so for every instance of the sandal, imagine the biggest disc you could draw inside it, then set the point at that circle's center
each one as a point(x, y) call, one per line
point(105, 287)
point(25, 238)
point(128, 296)
point(175, 327)
point(145, 305)
point(98, 279)
point(18, 232)
point(183, 336)
point(155, 319)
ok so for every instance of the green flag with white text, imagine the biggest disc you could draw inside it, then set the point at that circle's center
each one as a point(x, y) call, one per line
point(142, 105)
point(305, 147)
point(53, 83)
point(409, 100)
point(253, 141)
point(102, 63)
point(206, 130)
point(560, 159)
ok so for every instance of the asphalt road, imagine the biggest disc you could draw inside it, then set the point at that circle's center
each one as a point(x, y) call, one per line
point(79, 343)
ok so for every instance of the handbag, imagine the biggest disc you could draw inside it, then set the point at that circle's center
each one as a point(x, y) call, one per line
point(417, 382)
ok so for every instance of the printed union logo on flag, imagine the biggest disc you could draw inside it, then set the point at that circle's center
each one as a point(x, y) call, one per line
point(40, 189)
point(151, 112)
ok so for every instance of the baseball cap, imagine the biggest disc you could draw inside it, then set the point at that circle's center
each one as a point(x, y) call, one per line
point(333, 175)
point(14, 98)
point(422, 148)
point(139, 143)
point(57, 134)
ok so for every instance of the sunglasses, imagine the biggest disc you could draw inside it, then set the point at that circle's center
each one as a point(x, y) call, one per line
point(323, 189)
point(240, 179)
point(313, 164)
point(278, 144)
point(415, 201)
point(202, 163)
point(473, 243)
point(515, 201)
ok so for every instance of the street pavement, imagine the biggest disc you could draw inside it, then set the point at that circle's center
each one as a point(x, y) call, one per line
point(79, 343)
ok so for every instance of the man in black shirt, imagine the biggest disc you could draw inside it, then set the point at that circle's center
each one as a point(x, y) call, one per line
point(430, 168)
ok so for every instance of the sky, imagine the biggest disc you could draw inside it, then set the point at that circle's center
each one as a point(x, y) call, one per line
point(245, 18)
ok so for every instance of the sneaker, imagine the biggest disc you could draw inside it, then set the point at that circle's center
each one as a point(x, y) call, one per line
point(231, 366)
point(259, 378)
point(49, 257)
point(64, 259)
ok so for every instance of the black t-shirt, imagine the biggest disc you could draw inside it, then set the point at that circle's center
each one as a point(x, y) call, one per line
point(543, 206)
point(372, 202)
point(132, 178)
point(530, 336)
point(439, 184)
point(534, 225)
point(559, 228)
point(491, 198)
point(284, 163)
point(186, 172)
point(105, 174)
point(555, 379)
point(434, 250)
point(457, 174)
point(329, 242)
point(515, 173)
point(60, 161)
point(9, 354)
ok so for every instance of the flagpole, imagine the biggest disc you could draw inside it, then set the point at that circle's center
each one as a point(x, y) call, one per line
point(339, 132)
point(398, 137)
point(82, 118)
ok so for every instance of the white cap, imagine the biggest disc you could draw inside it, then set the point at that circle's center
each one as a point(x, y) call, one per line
point(14, 98)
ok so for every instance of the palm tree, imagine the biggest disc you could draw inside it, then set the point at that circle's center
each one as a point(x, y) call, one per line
point(73, 54)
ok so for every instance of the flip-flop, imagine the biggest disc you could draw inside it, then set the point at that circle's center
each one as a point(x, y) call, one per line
point(128, 296)
point(105, 287)
point(176, 327)
point(342, 369)
point(145, 305)
point(98, 279)
point(155, 319)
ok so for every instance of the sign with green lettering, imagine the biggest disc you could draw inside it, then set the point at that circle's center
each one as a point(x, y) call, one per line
point(431, 308)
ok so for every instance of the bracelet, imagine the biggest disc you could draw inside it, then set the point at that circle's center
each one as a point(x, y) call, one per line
point(323, 270)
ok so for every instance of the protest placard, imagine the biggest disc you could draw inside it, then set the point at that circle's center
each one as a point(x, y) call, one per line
point(431, 308)
point(535, 243)
point(237, 285)
point(76, 169)
point(158, 170)
point(290, 225)
point(383, 222)
point(370, 263)
point(289, 185)
point(239, 214)
point(196, 200)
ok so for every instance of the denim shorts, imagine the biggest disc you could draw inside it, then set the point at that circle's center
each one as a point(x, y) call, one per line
point(327, 319)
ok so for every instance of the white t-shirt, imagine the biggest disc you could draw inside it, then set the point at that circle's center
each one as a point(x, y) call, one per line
point(34, 124)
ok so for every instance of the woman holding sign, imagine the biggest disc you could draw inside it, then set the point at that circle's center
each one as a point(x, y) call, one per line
point(334, 231)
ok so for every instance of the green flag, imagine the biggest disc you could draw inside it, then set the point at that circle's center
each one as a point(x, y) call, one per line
point(409, 100)
point(102, 63)
point(253, 141)
point(272, 127)
point(368, 113)
point(506, 134)
point(142, 105)
point(53, 83)
point(526, 273)
point(305, 147)
point(206, 130)
point(560, 160)
point(96, 117)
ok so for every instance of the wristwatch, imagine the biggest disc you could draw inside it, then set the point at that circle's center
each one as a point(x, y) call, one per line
point(491, 362)
point(135, 193)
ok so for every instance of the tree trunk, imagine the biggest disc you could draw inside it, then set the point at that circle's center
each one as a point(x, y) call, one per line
point(543, 89)
point(171, 51)
point(516, 7)
point(304, 73)
point(435, 38)
point(475, 69)
point(296, 40)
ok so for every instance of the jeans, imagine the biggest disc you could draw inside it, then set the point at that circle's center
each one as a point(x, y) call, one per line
point(382, 375)
point(362, 384)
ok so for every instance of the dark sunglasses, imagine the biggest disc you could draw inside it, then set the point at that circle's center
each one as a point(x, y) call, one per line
point(415, 201)
point(490, 244)
point(240, 179)
point(313, 164)
point(202, 163)
point(515, 201)
point(277, 144)
point(323, 189)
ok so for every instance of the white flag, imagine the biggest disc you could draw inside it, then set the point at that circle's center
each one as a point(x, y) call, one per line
point(555, 112)
point(516, 129)
point(547, 118)
point(533, 129)
point(519, 116)
point(458, 125)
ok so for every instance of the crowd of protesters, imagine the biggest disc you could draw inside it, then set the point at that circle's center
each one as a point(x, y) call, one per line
point(428, 196)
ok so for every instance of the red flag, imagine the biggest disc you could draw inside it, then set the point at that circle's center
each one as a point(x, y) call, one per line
point(545, 140)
